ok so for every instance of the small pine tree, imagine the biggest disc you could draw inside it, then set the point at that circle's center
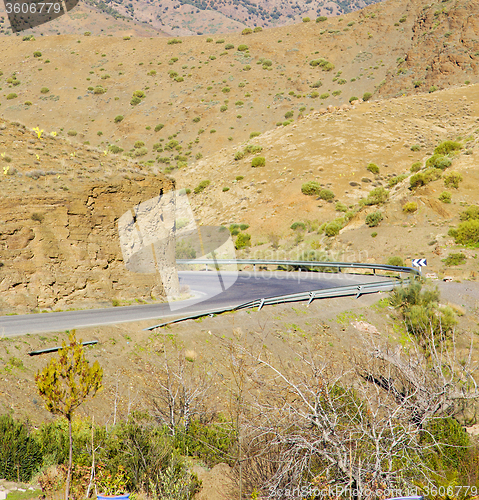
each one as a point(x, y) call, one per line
point(65, 383)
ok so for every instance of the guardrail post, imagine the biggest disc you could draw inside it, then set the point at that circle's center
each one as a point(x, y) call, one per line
point(261, 304)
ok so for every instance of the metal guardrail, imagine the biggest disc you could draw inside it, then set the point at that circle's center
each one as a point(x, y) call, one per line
point(300, 263)
point(55, 349)
point(341, 291)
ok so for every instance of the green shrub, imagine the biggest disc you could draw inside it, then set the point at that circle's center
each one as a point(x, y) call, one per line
point(247, 31)
point(451, 443)
point(314, 95)
point(353, 98)
point(259, 161)
point(332, 229)
point(99, 90)
point(226, 188)
point(336, 92)
point(44, 90)
point(317, 84)
point(242, 241)
point(72, 133)
point(373, 168)
point(298, 225)
point(11, 96)
point(415, 147)
point(209, 40)
point(158, 127)
point(239, 178)
point(396, 180)
point(321, 19)
point(28, 103)
point(438, 161)
point(432, 174)
point(140, 151)
point(258, 29)
point(452, 179)
point(447, 147)
point(223, 108)
point(37, 53)
point(367, 96)
point(445, 197)
point(229, 46)
point(322, 63)
point(20, 454)
point(311, 188)
point(468, 233)
point(239, 155)
point(455, 259)
point(374, 234)
point(471, 213)
point(373, 219)
point(415, 167)
point(377, 196)
point(306, 19)
point(118, 118)
point(433, 88)
point(289, 114)
point(135, 100)
point(174, 41)
point(417, 180)
point(395, 261)
point(324, 96)
point(254, 134)
point(326, 194)
point(202, 186)
point(409, 207)
point(138, 144)
point(340, 207)
point(243, 48)
point(115, 149)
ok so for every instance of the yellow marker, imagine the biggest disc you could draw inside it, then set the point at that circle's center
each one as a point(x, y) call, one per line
point(53, 134)
point(37, 157)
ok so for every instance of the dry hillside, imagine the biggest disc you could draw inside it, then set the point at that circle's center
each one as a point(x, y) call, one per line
point(186, 17)
point(59, 245)
point(209, 94)
point(334, 149)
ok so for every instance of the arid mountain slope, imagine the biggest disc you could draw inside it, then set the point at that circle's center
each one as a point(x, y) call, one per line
point(59, 244)
point(209, 94)
point(334, 149)
point(186, 17)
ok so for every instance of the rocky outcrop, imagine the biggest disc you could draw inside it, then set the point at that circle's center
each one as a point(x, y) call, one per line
point(63, 251)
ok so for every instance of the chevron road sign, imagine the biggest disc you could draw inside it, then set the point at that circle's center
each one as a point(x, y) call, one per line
point(419, 262)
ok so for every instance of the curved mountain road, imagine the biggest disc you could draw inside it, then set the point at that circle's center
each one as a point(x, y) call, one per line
point(240, 288)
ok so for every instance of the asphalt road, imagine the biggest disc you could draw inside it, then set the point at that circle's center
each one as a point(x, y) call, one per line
point(209, 294)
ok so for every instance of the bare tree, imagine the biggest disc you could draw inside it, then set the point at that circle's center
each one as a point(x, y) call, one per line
point(183, 389)
point(363, 428)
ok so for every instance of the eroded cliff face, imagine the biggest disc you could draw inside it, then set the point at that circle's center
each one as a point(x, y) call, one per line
point(443, 48)
point(63, 251)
